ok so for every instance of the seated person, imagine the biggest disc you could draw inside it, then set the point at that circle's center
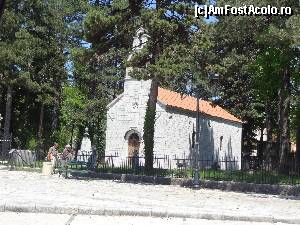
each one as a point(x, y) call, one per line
point(52, 153)
point(67, 153)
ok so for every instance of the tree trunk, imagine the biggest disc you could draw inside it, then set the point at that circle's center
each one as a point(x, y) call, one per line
point(279, 124)
point(298, 146)
point(2, 4)
point(40, 132)
point(284, 146)
point(269, 151)
point(260, 150)
point(72, 133)
point(149, 124)
point(7, 122)
point(54, 123)
point(56, 109)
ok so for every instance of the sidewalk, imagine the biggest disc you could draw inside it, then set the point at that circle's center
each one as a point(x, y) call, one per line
point(33, 192)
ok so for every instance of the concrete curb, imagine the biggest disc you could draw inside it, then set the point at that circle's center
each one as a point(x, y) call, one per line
point(117, 212)
point(282, 190)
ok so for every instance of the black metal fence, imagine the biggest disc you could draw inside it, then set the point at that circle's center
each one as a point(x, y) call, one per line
point(221, 169)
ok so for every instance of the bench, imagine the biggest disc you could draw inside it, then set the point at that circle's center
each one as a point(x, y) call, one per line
point(80, 166)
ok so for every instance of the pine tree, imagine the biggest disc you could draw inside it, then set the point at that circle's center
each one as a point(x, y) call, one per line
point(35, 41)
point(10, 57)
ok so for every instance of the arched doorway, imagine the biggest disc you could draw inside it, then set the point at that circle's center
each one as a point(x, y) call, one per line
point(133, 144)
point(133, 149)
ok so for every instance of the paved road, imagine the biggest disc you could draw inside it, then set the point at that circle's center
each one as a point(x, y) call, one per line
point(28, 191)
point(10, 218)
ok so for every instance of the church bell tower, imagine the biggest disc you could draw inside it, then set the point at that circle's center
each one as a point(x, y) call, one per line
point(139, 41)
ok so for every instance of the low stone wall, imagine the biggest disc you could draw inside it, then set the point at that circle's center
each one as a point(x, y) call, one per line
point(284, 190)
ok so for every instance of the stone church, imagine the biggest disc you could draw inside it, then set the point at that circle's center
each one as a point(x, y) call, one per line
point(220, 131)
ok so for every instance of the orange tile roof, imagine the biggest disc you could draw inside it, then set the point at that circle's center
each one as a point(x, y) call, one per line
point(174, 99)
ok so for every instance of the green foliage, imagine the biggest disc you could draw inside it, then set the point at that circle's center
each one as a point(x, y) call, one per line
point(71, 115)
point(97, 78)
point(72, 105)
point(251, 53)
point(32, 144)
point(35, 37)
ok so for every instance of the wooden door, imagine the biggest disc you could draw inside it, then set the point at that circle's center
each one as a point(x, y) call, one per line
point(133, 145)
point(133, 150)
